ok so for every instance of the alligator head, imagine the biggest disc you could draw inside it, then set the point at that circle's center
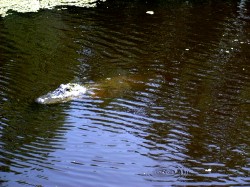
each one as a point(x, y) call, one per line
point(64, 93)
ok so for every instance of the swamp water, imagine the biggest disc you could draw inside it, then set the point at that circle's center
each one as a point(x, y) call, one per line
point(170, 102)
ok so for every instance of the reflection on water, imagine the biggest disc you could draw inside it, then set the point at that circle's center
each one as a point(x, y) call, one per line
point(168, 104)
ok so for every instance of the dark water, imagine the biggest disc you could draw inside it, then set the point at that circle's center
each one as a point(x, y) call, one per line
point(171, 99)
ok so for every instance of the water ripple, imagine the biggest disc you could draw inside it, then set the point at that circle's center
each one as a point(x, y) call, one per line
point(167, 100)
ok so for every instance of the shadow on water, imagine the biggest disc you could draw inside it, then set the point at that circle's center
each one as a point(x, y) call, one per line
point(169, 101)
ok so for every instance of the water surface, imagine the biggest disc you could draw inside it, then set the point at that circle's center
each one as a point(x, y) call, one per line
point(170, 99)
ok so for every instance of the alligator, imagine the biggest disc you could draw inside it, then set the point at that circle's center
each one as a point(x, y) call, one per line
point(109, 87)
point(64, 93)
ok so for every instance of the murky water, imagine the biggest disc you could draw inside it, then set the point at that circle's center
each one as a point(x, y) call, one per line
point(170, 102)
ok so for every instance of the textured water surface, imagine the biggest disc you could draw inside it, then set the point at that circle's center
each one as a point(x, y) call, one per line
point(168, 100)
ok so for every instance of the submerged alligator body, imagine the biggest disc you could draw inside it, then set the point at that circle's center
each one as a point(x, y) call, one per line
point(64, 93)
point(107, 88)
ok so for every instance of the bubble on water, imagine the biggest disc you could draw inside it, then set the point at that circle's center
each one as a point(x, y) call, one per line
point(164, 172)
point(169, 171)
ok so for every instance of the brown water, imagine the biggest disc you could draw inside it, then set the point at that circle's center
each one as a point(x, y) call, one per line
point(170, 102)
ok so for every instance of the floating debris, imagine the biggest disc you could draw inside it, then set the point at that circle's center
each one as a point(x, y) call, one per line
point(150, 12)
